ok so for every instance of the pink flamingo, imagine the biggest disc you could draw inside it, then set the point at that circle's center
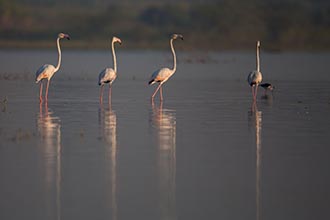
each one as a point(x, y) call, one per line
point(47, 71)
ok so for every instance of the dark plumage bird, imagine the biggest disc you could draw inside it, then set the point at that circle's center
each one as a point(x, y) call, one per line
point(267, 86)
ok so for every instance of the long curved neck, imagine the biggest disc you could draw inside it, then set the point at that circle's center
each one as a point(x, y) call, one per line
point(258, 59)
point(174, 56)
point(59, 55)
point(114, 57)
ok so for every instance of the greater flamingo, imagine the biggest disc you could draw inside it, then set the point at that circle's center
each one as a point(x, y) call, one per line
point(108, 75)
point(47, 71)
point(162, 75)
point(255, 77)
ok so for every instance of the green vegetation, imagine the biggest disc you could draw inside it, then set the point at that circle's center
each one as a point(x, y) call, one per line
point(225, 24)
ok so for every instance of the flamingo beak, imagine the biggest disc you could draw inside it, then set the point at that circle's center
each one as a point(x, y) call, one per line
point(67, 36)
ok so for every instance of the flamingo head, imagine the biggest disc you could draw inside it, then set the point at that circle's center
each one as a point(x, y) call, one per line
point(116, 39)
point(176, 36)
point(62, 35)
point(258, 44)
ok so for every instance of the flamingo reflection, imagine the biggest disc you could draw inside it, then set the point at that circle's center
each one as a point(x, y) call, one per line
point(164, 122)
point(256, 119)
point(49, 129)
point(108, 127)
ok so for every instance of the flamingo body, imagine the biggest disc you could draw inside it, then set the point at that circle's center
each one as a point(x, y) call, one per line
point(108, 75)
point(254, 78)
point(45, 72)
point(161, 76)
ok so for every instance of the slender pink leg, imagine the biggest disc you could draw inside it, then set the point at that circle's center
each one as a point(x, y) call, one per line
point(254, 107)
point(46, 109)
point(40, 92)
point(101, 94)
point(161, 106)
point(253, 92)
point(110, 92)
point(40, 109)
point(152, 104)
point(153, 95)
point(161, 93)
point(101, 107)
point(46, 96)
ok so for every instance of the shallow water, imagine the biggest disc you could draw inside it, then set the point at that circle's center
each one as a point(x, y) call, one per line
point(206, 152)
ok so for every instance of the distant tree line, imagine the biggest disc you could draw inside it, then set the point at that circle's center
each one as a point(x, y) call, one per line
point(225, 24)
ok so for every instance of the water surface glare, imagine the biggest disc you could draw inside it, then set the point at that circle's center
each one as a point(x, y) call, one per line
point(206, 152)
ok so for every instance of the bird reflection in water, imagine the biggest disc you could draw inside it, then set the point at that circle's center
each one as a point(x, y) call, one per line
point(255, 118)
point(164, 123)
point(49, 130)
point(108, 131)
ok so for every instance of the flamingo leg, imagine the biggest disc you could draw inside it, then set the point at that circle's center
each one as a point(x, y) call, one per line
point(153, 95)
point(101, 94)
point(161, 106)
point(161, 93)
point(46, 109)
point(110, 92)
point(253, 92)
point(40, 92)
point(40, 109)
point(253, 107)
point(46, 96)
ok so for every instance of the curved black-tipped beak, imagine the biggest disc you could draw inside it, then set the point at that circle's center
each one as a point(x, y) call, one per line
point(180, 36)
point(67, 37)
point(176, 36)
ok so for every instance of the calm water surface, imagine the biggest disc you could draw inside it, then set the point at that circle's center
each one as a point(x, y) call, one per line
point(206, 152)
